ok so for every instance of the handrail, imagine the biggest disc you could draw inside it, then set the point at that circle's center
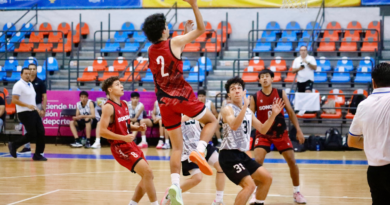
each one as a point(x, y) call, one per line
point(174, 6)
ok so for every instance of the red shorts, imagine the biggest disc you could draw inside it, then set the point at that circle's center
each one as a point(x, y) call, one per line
point(172, 109)
point(127, 154)
point(282, 143)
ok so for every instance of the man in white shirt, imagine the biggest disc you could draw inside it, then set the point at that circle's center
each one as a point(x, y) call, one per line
point(304, 65)
point(370, 130)
point(23, 96)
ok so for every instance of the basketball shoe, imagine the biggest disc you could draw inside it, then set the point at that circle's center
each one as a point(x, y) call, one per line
point(217, 203)
point(299, 198)
point(166, 146)
point(160, 144)
point(166, 200)
point(198, 158)
point(175, 195)
point(143, 145)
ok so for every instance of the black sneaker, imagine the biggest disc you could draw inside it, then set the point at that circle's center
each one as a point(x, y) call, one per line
point(38, 157)
point(12, 150)
point(25, 151)
point(87, 144)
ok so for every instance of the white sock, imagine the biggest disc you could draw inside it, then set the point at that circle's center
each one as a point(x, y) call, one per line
point(296, 189)
point(162, 137)
point(259, 201)
point(201, 146)
point(133, 203)
point(219, 140)
point(97, 141)
point(144, 138)
point(219, 196)
point(166, 141)
point(154, 203)
point(175, 179)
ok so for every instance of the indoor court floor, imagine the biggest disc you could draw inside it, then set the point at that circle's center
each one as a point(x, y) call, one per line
point(86, 176)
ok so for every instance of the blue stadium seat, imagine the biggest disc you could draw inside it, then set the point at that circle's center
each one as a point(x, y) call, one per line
point(365, 76)
point(130, 46)
point(15, 75)
point(293, 25)
point(11, 64)
point(311, 24)
point(202, 62)
point(283, 45)
point(111, 46)
point(146, 47)
point(76, 89)
point(269, 35)
point(41, 73)
point(11, 27)
point(170, 27)
point(3, 73)
point(273, 25)
point(290, 35)
point(27, 27)
point(304, 42)
point(30, 60)
point(346, 63)
point(367, 62)
point(262, 45)
point(324, 64)
point(10, 47)
point(320, 77)
point(341, 75)
point(139, 36)
point(128, 26)
point(186, 64)
point(17, 38)
point(148, 77)
point(52, 64)
point(120, 36)
point(193, 76)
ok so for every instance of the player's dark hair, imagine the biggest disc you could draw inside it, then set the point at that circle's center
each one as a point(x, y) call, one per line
point(153, 27)
point(265, 71)
point(83, 93)
point(24, 70)
point(134, 94)
point(108, 83)
point(235, 80)
point(381, 75)
point(202, 92)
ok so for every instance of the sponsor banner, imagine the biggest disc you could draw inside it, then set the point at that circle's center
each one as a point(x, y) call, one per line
point(69, 4)
point(375, 2)
point(247, 3)
point(59, 100)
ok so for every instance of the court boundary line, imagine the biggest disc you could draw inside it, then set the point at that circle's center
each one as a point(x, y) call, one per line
point(47, 193)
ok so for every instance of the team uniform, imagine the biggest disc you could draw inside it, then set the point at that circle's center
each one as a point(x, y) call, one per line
point(134, 111)
point(191, 130)
point(175, 96)
point(235, 163)
point(277, 134)
point(85, 110)
point(126, 154)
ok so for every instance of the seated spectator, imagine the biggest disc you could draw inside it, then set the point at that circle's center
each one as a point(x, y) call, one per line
point(136, 110)
point(2, 112)
point(98, 109)
point(84, 119)
point(155, 120)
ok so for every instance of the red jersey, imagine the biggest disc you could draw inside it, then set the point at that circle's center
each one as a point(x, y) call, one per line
point(263, 105)
point(121, 123)
point(170, 86)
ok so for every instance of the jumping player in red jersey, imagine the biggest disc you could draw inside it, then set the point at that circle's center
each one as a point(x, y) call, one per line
point(115, 126)
point(175, 96)
point(261, 102)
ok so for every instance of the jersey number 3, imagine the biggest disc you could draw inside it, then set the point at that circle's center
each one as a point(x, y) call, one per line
point(160, 60)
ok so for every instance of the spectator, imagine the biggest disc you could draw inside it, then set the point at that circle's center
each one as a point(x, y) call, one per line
point(304, 65)
point(2, 113)
point(23, 96)
point(84, 119)
point(136, 110)
point(98, 109)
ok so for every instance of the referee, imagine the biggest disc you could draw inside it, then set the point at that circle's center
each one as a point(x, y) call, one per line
point(40, 99)
point(23, 95)
point(370, 130)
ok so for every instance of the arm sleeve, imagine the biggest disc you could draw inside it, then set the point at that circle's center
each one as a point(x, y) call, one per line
point(17, 90)
point(296, 63)
point(356, 125)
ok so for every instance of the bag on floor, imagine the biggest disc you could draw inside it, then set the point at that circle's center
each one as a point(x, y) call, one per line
point(315, 143)
point(333, 140)
point(356, 99)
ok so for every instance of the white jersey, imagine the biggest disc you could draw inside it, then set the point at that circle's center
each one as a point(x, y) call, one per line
point(97, 108)
point(133, 112)
point(208, 104)
point(158, 113)
point(237, 139)
point(191, 135)
point(86, 110)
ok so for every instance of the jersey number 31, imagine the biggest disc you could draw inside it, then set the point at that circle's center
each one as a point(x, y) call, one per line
point(160, 60)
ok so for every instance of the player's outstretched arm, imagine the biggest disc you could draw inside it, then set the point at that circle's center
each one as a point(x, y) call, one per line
point(277, 106)
point(107, 113)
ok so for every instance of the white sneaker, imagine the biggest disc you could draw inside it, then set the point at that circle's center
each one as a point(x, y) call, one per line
point(166, 200)
point(76, 145)
point(166, 146)
point(96, 146)
point(217, 203)
point(175, 195)
point(160, 144)
point(143, 145)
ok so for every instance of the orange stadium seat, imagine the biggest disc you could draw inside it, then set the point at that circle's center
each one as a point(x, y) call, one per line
point(212, 45)
point(208, 26)
point(192, 47)
point(348, 45)
point(327, 45)
point(55, 37)
point(36, 37)
point(290, 76)
point(127, 77)
point(277, 76)
point(219, 35)
point(369, 45)
point(109, 72)
point(251, 74)
point(356, 92)
point(89, 74)
point(25, 46)
point(44, 46)
point(99, 64)
point(278, 63)
point(332, 35)
point(372, 34)
point(354, 34)
point(334, 25)
point(181, 25)
point(374, 25)
point(84, 28)
point(76, 37)
point(176, 33)
point(340, 98)
point(60, 47)
point(257, 63)
point(10, 108)
point(201, 38)
point(120, 63)
point(64, 27)
point(45, 27)
point(309, 115)
point(332, 116)
point(223, 25)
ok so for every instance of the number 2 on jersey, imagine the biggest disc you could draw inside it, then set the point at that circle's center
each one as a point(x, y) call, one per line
point(160, 60)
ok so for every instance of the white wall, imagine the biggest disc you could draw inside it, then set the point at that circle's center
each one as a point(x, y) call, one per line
point(240, 19)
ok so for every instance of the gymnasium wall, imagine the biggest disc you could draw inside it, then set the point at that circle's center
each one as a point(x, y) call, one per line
point(240, 19)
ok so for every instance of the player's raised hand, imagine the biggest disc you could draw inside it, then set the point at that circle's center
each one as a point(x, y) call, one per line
point(277, 106)
point(128, 138)
point(189, 26)
point(191, 2)
point(246, 99)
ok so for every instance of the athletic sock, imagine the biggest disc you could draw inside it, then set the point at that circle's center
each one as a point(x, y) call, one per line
point(296, 189)
point(154, 203)
point(259, 202)
point(175, 179)
point(97, 140)
point(144, 138)
point(219, 196)
point(27, 145)
point(162, 137)
point(133, 203)
point(166, 141)
point(201, 146)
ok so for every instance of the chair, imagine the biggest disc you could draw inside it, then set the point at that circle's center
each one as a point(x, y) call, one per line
point(356, 92)
point(250, 74)
point(212, 45)
point(262, 45)
point(30, 60)
point(89, 74)
point(277, 75)
point(10, 47)
point(337, 115)
point(369, 45)
point(148, 77)
point(10, 64)
point(223, 25)
point(313, 25)
point(374, 25)
point(120, 63)
point(139, 37)
point(24, 46)
point(192, 47)
point(320, 77)
point(44, 46)
point(269, 35)
point(290, 76)
point(111, 46)
point(278, 63)
point(367, 62)
point(304, 42)
point(15, 76)
point(363, 75)
point(202, 37)
point(293, 26)
point(353, 34)
point(170, 27)
point(205, 63)
point(52, 64)
point(3, 73)
point(341, 75)
point(84, 28)
point(218, 34)
point(130, 46)
point(65, 114)
point(186, 64)
point(334, 25)
point(193, 76)
point(45, 27)
point(10, 27)
point(177, 33)
point(17, 37)
point(121, 36)
point(41, 73)
point(324, 64)
point(75, 35)
point(338, 97)
point(326, 45)
point(283, 45)
point(111, 71)
point(64, 28)
point(257, 63)
point(146, 47)
point(63, 48)
point(10, 108)
point(290, 35)
point(55, 37)
point(99, 64)
point(208, 26)
point(346, 63)
point(128, 75)
point(332, 35)
point(128, 26)
point(36, 37)
point(273, 25)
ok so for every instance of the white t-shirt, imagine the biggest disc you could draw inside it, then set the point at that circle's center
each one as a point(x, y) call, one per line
point(307, 73)
point(25, 91)
point(372, 121)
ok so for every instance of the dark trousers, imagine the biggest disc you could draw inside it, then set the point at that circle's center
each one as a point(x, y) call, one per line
point(379, 182)
point(33, 124)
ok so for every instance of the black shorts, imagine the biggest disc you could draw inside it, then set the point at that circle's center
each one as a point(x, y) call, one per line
point(187, 166)
point(302, 87)
point(379, 181)
point(237, 165)
point(81, 124)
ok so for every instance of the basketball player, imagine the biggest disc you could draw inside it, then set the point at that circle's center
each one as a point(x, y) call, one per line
point(238, 166)
point(175, 96)
point(262, 103)
point(136, 110)
point(115, 126)
point(191, 132)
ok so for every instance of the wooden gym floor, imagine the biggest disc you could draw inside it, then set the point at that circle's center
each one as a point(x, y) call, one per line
point(86, 176)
